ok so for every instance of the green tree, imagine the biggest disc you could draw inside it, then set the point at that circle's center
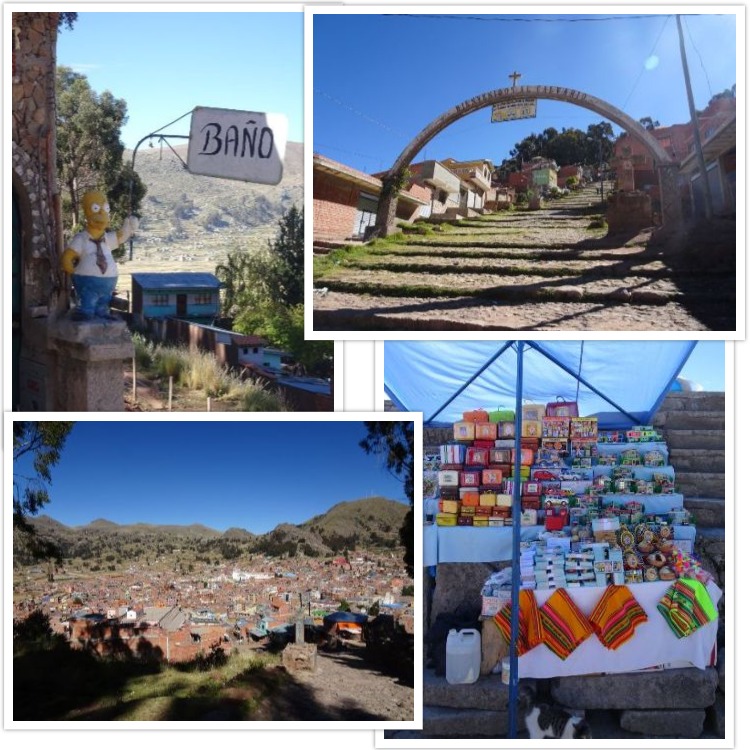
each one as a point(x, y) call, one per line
point(649, 123)
point(89, 148)
point(344, 606)
point(286, 282)
point(237, 274)
point(37, 447)
point(395, 442)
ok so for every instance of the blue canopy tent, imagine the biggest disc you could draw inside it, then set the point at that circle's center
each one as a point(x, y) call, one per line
point(622, 383)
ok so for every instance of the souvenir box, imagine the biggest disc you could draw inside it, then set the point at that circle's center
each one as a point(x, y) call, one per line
point(487, 499)
point(453, 453)
point(533, 412)
point(506, 429)
point(469, 496)
point(529, 517)
point(448, 478)
point(469, 478)
point(531, 428)
point(449, 506)
point(485, 431)
point(504, 500)
point(500, 511)
point(502, 415)
point(492, 477)
point(465, 521)
point(477, 456)
point(478, 521)
point(583, 428)
point(527, 457)
point(483, 444)
point(476, 415)
point(447, 519)
point(464, 431)
point(482, 511)
point(449, 493)
point(500, 455)
point(556, 427)
point(531, 502)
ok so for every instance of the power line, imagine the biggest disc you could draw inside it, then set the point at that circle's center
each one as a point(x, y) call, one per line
point(651, 54)
point(697, 52)
point(533, 19)
point(357, 112)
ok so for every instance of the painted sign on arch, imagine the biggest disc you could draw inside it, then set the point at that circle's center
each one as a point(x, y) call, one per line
point(517, 109)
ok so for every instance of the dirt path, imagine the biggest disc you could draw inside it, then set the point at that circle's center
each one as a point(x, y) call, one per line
point(550, 269)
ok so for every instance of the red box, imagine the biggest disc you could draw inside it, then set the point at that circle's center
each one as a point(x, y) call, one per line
point(465, 521)
point(500, 456)
point(499, 512)
point(484, 444)
point(477, 415)
point(530, 502)
point(469, 478)
point(531, 488)
point(483, 510)
point(477, 456)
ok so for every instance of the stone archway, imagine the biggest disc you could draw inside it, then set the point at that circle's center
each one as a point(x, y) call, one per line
point(667, 168)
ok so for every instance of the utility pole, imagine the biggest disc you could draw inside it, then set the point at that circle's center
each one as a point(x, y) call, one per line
point(708, 208)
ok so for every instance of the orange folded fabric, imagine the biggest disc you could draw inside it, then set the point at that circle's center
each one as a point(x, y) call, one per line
point(565, 626)
point(529, 622)
point(616, 617)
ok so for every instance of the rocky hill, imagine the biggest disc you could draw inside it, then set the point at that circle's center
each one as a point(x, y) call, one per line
point(190, 222)
point(369, 524)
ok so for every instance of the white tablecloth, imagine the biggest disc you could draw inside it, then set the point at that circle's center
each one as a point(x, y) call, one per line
point(453, 544)
point(653, 644)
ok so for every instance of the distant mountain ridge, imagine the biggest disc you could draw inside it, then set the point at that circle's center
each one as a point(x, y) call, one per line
point(369, 523)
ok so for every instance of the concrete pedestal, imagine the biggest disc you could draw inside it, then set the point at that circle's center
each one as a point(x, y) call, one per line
point(87, 362)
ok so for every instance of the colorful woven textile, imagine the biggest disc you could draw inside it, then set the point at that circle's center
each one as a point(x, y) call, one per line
point(565, 626)
point(687, 606)
point(529, 622)
point(616, 617)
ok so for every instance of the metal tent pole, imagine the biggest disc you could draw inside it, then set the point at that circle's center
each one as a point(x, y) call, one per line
point(516, 553)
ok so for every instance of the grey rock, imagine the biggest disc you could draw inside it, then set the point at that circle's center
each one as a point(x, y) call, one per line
point(487, 693)
point(672, 688)
point(664, 723)
point(448, 722)
point(715, 715)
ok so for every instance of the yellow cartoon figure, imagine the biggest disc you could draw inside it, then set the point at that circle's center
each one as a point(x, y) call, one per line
point(88, 258)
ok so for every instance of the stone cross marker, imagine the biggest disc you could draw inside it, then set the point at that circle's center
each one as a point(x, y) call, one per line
point(299, 629)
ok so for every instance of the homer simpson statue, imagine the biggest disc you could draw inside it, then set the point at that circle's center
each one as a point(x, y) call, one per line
point(88, 258)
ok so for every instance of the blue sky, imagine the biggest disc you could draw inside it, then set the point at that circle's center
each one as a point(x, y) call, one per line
point(705, 367)
point(166, 63)
point(379, 79)
point(253, 475)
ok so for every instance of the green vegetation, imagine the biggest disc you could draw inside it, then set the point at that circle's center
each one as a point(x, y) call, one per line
point(264, 295)
point(54, 682)
point(89, 150)
point(199, 372)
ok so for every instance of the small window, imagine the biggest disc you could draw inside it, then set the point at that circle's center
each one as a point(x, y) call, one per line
point(160, 300)
point(203, 299)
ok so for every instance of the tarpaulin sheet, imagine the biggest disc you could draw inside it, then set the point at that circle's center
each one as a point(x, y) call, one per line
point(443, 379)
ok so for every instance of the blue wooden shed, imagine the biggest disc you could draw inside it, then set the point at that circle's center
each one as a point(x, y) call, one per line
point(182, 295)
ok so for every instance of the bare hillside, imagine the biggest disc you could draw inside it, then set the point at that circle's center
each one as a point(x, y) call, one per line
point(189, 222)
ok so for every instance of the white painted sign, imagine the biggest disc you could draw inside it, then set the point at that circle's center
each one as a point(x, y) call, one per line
point(238, 145)
point(517, 109)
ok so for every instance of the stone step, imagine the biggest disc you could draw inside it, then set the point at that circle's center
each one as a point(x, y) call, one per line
point(487, 693)
point(700, 483)
point(694, 401)
point(690, 420)
point(700, 439)
point(688, 688)
point(697, 459)
point(466, 723)
point(709, 513)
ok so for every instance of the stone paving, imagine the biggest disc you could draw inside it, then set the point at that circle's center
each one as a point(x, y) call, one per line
point(533, 270)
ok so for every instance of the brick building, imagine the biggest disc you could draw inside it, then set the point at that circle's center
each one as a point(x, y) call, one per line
point(345, 201)
point(716, 123)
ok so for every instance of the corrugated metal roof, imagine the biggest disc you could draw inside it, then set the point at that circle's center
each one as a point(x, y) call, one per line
point(178, 280)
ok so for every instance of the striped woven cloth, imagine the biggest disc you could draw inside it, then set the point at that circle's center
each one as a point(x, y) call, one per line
point(616, 616)
point(529, 622)
point(687, 606)
point(565, 627)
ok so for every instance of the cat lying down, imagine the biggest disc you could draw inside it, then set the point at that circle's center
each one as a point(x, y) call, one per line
point(549, 722)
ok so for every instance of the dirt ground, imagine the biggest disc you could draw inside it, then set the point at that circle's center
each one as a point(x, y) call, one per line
point(345, 685)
